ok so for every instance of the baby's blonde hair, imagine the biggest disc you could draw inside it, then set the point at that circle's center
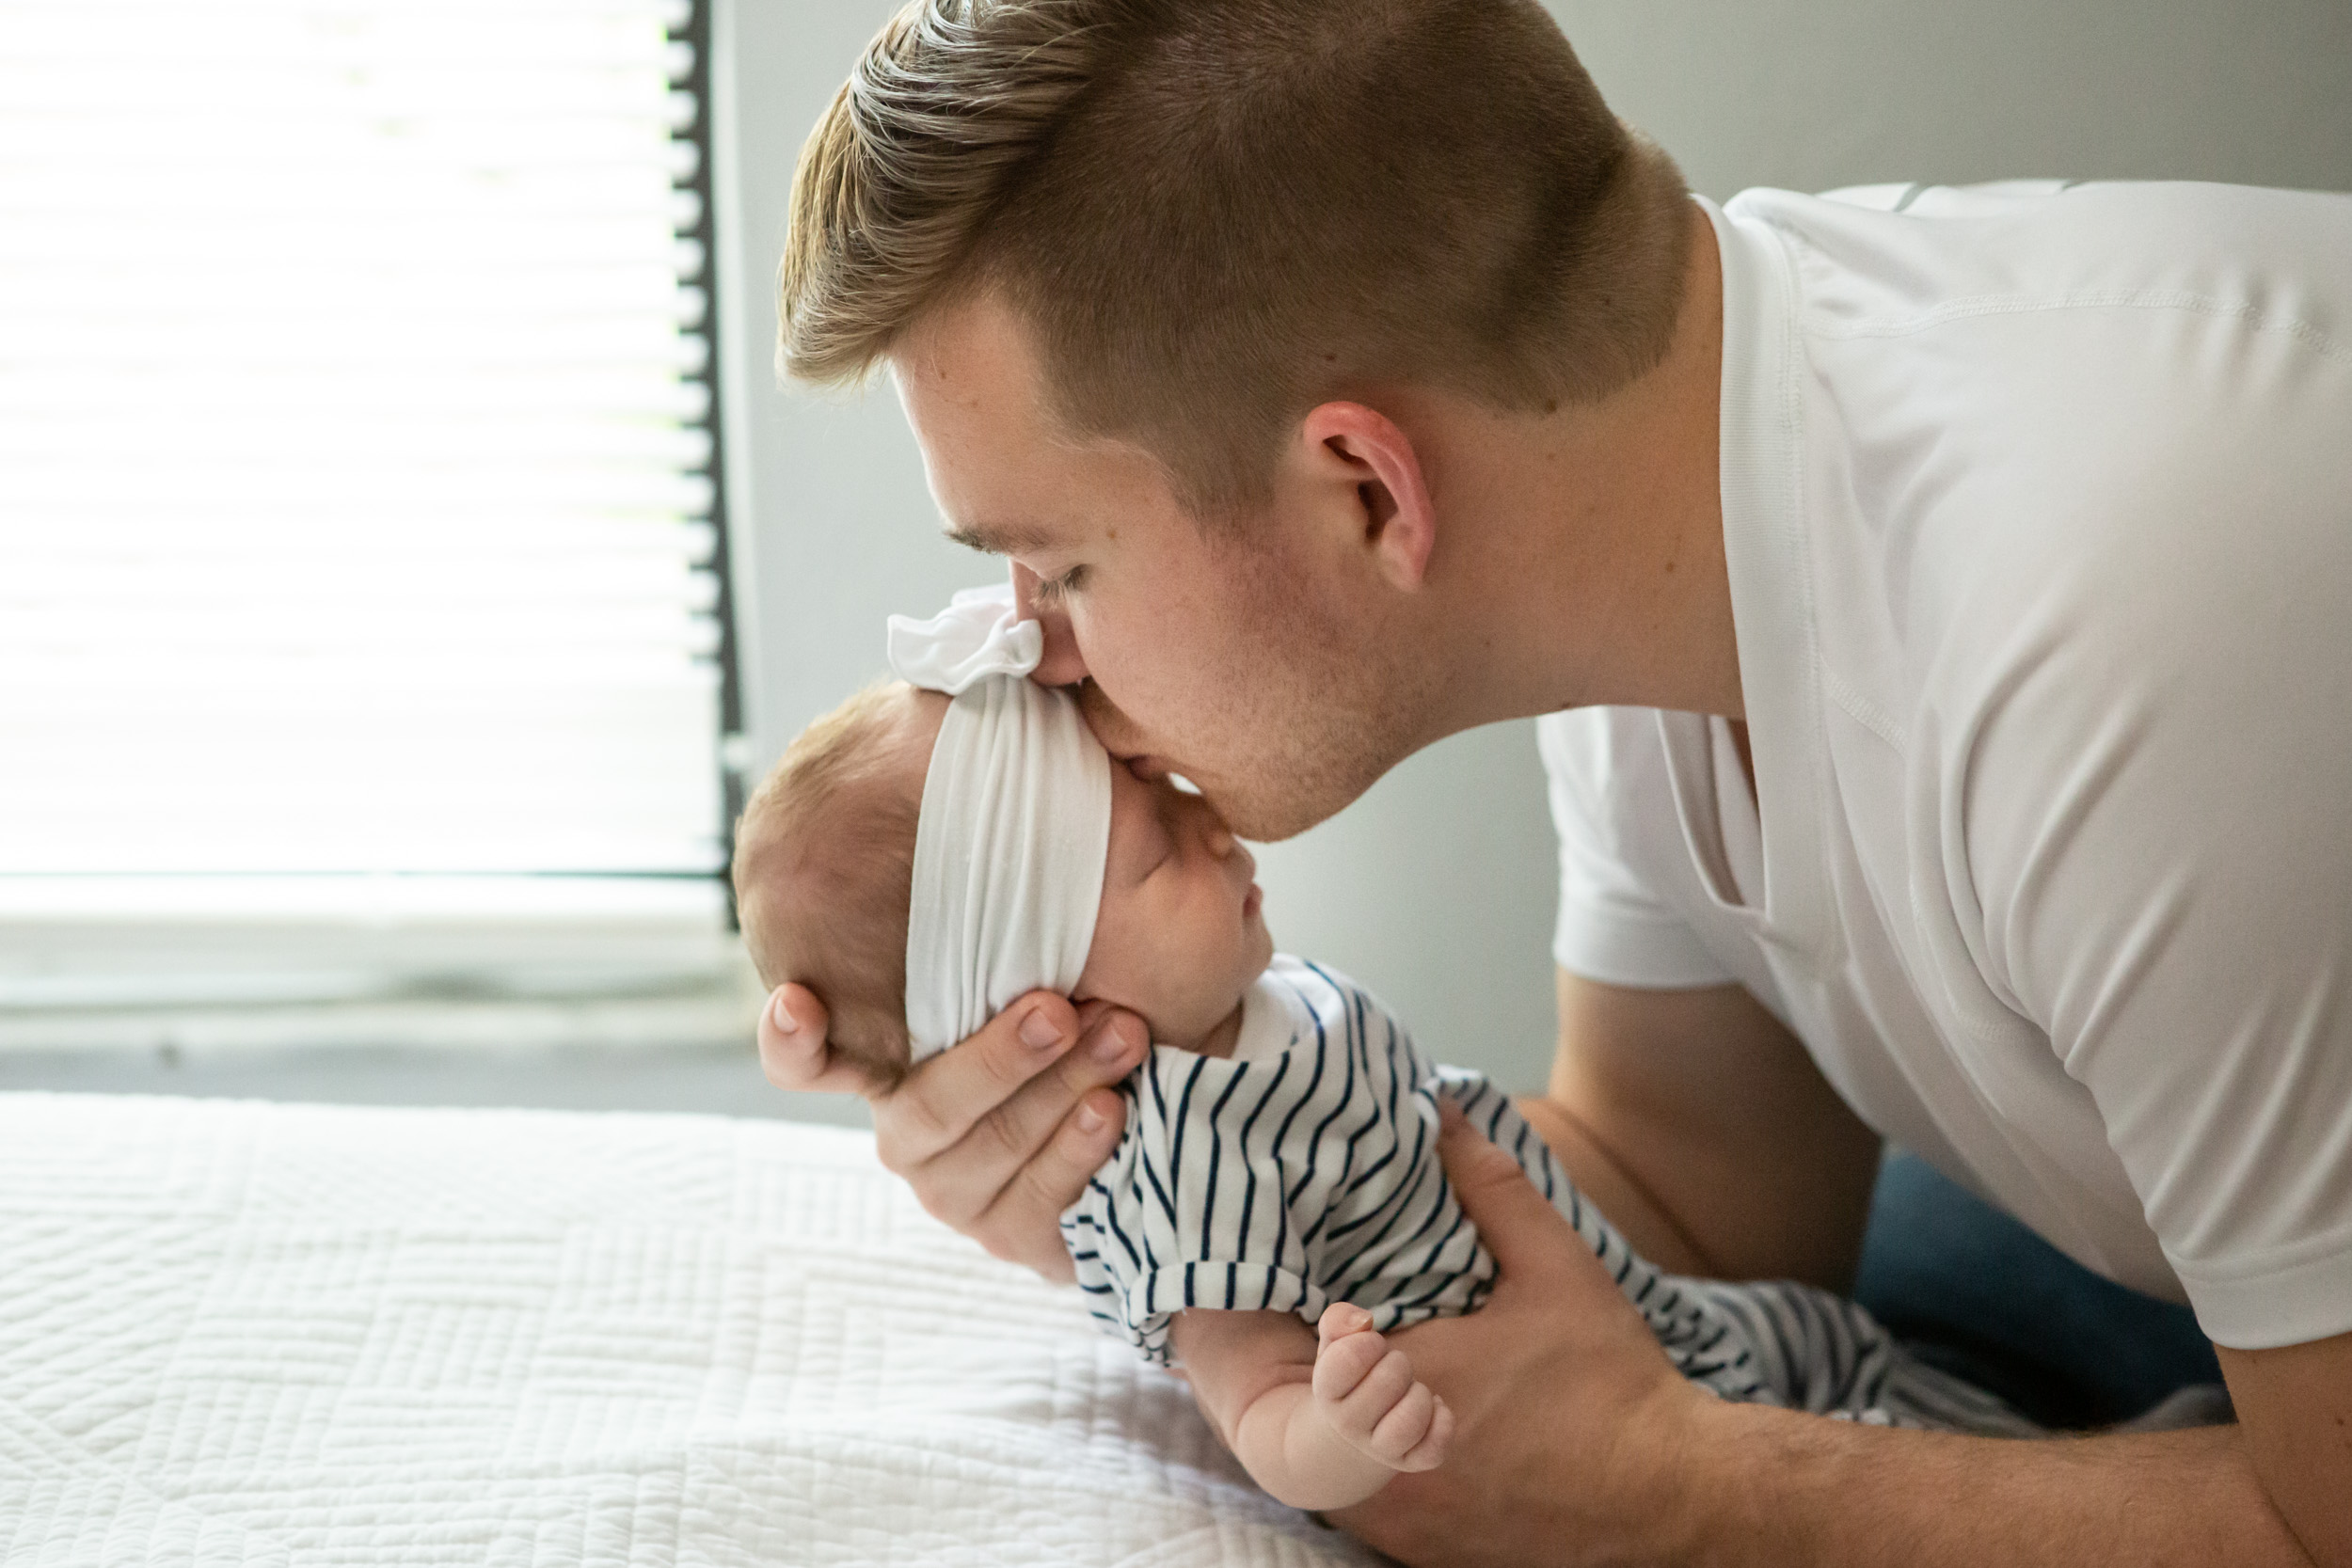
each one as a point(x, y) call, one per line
point(824, 867)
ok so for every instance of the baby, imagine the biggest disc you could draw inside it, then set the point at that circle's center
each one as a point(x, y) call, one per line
point(1277, 1206)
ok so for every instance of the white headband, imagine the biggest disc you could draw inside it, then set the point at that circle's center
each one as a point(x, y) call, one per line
point(1016, 823)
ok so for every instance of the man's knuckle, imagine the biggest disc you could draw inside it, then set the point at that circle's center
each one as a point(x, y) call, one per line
point(917, 1129)
point(1001, 1057)
point(1006, 1137)
point(783, 1064)
point(1054, 1181)
point(898, 1154)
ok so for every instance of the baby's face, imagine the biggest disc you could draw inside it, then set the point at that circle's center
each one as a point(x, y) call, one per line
point(1180, 936)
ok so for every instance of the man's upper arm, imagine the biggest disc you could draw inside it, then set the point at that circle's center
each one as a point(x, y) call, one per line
point(1679, 1103)
point(1700, 1125)
point(2146, 859)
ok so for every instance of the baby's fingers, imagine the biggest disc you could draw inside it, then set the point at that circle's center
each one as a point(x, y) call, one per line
point(1430, 1451)
point(1342, 1364)
point(1407, 1426)
point(1340, 1319)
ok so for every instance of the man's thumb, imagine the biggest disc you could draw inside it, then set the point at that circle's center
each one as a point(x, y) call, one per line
point(1530, 1239)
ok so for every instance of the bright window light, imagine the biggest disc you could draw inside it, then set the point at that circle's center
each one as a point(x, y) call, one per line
point(356, 513)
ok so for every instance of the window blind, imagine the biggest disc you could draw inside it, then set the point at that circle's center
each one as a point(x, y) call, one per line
point(357, 500)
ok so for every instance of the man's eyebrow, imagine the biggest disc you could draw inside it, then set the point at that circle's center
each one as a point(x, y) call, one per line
point(998, 538)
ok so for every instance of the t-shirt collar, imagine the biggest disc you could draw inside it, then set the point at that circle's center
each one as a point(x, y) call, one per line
point(1764, 550)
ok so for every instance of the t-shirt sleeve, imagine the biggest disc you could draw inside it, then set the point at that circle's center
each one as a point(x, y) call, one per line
point(1612, 926)
point(2145, 837)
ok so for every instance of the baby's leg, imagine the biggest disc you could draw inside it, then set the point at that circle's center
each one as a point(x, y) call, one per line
point(1319, 1420)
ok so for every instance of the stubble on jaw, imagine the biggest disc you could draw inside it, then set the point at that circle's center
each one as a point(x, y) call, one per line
point(1301, 711)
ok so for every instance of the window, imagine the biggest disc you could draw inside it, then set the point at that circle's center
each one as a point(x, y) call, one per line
point(363, 601)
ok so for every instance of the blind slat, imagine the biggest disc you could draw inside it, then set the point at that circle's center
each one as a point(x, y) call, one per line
point(355, 506)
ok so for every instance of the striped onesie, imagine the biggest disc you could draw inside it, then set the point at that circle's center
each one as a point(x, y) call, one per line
point(1303, 1169)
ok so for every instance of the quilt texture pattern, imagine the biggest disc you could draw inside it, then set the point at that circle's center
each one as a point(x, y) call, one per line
point(236, 1334)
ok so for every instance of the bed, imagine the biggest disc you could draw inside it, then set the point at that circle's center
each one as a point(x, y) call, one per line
point(247, 1334)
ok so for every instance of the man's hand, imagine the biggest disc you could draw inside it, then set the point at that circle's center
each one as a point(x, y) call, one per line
point(1565, 1410)
point(1574, 1442)
point(997, 1136)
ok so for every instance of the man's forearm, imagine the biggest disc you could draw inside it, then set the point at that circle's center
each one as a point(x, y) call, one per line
point(1646, 1223)
point(1765, 1487)
point(1727, 1154)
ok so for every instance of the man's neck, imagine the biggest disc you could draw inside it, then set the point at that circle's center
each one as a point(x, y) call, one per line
point(1593, 563)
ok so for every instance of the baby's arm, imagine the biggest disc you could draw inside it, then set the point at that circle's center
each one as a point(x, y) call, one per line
point(1322, 1418)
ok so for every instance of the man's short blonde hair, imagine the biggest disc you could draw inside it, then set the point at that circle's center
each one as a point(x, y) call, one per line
point(824, 871)
point(1214, 215)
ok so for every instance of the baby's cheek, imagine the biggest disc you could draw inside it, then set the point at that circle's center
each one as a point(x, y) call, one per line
point(1107, 964)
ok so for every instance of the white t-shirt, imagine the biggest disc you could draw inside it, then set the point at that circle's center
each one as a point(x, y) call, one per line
point(2038, 507)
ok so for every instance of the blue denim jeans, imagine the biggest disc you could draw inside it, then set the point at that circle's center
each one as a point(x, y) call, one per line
point(1977, 1293)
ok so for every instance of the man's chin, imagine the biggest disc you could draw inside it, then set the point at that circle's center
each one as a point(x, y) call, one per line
point(1263, 810)
point(1268, 818)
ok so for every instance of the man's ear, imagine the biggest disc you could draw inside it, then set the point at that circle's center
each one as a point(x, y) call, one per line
point(1361, 448)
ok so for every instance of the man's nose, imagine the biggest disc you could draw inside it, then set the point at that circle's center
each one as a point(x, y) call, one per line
point(1062, 663)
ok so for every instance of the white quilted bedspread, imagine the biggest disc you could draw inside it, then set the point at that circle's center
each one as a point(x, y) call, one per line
point(296, 1335)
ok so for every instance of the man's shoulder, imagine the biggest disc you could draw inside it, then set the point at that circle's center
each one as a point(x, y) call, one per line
point(1901, 260)
point(2104, 418)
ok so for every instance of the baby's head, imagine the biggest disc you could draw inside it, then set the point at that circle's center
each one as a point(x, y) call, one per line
point(824, 870)
point(824, 860)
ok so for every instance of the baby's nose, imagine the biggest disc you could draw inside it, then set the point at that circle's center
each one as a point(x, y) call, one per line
point(1219, 838)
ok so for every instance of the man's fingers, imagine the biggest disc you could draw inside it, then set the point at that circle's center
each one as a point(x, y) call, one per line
point(942, 1100)
point(792, 1049)
point(1024, 1222)
point(963, 1138)
point(1059, 1172)
point(1532, 1242)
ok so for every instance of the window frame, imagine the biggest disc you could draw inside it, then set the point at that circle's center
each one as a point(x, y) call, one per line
point(103, 963)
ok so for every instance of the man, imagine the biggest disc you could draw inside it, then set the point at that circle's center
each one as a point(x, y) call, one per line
point(1940, 612)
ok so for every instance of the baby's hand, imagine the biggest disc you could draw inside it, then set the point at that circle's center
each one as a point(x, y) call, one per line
point(1368, 1394)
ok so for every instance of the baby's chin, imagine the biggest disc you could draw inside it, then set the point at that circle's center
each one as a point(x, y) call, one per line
point(1261, 946)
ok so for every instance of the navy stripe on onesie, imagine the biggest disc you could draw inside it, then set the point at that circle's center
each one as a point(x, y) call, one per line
point(1303, 1170)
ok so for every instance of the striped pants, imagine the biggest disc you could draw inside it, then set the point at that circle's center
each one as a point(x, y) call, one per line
point(1773, 1342)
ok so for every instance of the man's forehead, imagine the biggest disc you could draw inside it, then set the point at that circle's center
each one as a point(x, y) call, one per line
point(968, 368)
point(1009, 478)
point(968, 387)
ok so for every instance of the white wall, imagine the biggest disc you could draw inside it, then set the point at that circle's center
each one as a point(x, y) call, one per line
point(1806, 95)
point(1435, 889)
